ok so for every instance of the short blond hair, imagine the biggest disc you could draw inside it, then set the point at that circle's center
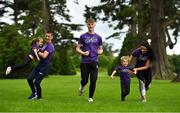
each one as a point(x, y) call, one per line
point(90, 20)
point(125, 58)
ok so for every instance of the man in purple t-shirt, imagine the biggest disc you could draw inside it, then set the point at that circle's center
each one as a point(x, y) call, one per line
point(41, 70)
point(89, 46)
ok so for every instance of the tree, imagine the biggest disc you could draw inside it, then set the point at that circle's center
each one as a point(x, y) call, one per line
point(33, 18)
point(14, 48)
point(159, 43)
point(145, 19)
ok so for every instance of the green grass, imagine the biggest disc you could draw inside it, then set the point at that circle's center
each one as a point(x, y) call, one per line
point(60, 95)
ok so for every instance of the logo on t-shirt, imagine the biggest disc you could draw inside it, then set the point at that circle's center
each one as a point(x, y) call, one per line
point(125, 70)
point(90, 40)
point(143, 58)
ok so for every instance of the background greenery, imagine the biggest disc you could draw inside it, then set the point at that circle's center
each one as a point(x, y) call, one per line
point(32, 18)
point(60, 95)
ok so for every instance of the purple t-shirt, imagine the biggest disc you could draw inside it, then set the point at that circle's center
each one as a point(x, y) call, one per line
point(141, 58)
point(124, 73)
point(34, 46)
point(49, 47)
point(91, 43)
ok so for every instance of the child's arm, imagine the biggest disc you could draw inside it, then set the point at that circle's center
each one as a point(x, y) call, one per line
point(35, 52)
point(113, 73)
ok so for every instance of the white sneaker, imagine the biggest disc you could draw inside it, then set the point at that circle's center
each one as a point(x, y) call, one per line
point(143, 101)
point(81, 90)
point(90, 100)
point(8, 70)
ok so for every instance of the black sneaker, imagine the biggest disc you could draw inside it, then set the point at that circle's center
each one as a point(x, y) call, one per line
point(32, 96)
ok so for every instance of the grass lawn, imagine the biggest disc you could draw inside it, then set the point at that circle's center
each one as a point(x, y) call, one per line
point(60, 95)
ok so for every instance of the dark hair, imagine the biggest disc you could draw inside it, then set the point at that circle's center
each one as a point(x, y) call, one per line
point(149, 49)
point(146, 44)
point(33, 42)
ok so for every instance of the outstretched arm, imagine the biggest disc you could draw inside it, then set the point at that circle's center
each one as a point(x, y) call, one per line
point(147, 65)
point(113, 73)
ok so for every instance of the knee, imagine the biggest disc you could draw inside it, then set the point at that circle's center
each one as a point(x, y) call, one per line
point(93, 79)
point(37, 83)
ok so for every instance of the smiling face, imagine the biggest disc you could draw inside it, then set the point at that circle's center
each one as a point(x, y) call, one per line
point(49, 37)
point(40, 42)
point(143, 49)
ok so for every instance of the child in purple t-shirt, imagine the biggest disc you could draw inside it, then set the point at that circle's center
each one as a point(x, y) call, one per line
point(125, 75)
point(35, 46)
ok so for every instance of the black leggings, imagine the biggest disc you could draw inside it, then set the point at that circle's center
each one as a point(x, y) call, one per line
point(89, 69)
point(145, 76)
point(125, 89)
point(27, 60)
point(36, 76)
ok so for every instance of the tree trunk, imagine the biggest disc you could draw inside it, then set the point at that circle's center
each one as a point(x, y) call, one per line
point(133, 27)
point(45, 16)
point(15, 12)
point(161, 64)
point(140, 17)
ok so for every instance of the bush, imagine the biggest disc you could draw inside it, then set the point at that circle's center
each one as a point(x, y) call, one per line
point(104, 61)
point(14, 48)
point(112, 65)
point(175, 62)
point(63, 63)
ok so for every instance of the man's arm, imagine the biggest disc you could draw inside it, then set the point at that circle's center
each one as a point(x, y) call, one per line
point(43, 54)
point(78, 49)
point(100, 50)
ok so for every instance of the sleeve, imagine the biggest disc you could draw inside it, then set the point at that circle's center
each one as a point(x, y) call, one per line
point(34, 47)
point(135, 53)
point(80, 40)
point(49, 49)
point(100, 41)
point(131, 68)
point(116, 68)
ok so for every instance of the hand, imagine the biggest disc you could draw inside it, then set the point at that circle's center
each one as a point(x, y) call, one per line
point(130, 72)
point(112, 77)
point(38, 59)
point(86, 53)
point(135, 71)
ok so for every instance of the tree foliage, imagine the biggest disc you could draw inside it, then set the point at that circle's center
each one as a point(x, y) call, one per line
point(138, 15)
